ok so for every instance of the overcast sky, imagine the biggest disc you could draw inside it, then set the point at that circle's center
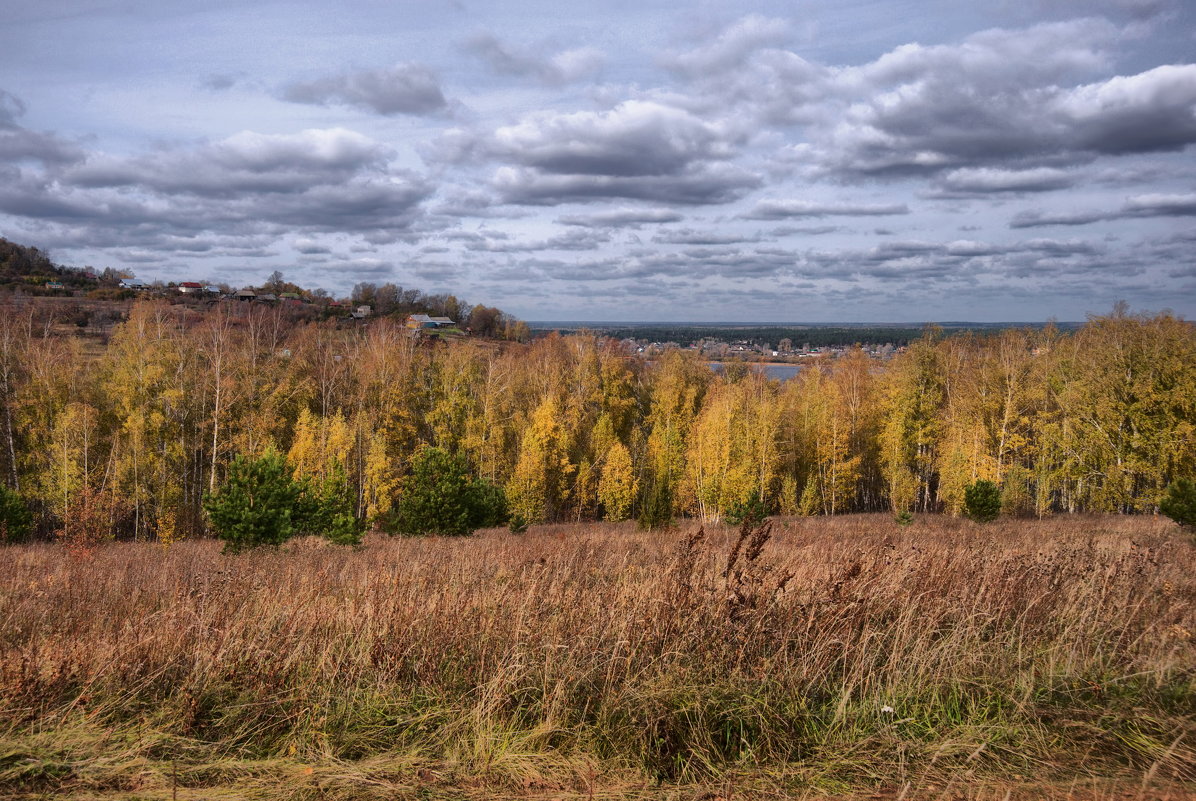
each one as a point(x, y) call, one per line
point(817, 160)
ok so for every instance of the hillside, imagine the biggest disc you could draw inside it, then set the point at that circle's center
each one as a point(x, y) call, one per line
point(91, 301)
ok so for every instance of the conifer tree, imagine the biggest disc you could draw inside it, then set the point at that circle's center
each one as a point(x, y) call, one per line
point(440, 497)
point(982, 501)
point(15, 519)
point(255, 505)
point(1179, 503)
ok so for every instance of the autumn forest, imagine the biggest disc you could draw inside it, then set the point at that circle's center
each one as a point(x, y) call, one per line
point(130, 434)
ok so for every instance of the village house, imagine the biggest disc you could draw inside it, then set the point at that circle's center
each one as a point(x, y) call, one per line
point(423, 321)
point(190, 288)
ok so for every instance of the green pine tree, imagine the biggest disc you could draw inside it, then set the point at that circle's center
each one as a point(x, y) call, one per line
point(982, 501)
point(256, 504)
point(440, 497)
point(15, 520)
point(326, 508)
point(1180, 503)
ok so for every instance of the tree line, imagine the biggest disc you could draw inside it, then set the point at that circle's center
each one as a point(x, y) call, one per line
point(131, 436)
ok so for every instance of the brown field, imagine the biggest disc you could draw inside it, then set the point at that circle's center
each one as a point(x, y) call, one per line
point(846, 656)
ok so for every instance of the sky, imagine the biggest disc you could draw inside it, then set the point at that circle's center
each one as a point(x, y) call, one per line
point(798, 161)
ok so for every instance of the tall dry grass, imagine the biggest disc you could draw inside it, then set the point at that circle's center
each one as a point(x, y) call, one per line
point(843, 652)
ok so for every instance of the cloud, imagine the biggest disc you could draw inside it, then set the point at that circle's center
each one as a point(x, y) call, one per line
point(953, 263)
point(980, 181)
point(402, 89)
point(219, 82)
point(1010, 101)
point(639, 150)
point(250, 187)
point(244, 162)
point(636, 138)
point(789, 209)
point(622, 218)
point(1151, 205)
point(1154, 110)
point(731, 49)
point(691, 236)
point(19, 144)
point(699, 186)
point(943, 121)
point(310, 247)
point(569, 240)
point(1160, 205)
point(1035, 219)
point(1135, 9)
point(562, 68)
point(11, 107)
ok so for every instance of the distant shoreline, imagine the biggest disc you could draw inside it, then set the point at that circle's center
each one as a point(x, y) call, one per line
point(600, 324)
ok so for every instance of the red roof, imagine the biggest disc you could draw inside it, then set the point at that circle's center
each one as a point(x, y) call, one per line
point(192, 285)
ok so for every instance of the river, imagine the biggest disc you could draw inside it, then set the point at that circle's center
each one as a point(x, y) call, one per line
point(781, 372)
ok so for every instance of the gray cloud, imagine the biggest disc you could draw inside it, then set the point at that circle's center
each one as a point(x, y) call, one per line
point(636, 138)
point(251, 188)
point(1160, 205)
point(563, 67)
point(789, 209)
point(19, 144)
point(979, 181)
point(569, 240)
point(696, 187)
point(402, 89)
point(219, 82)
point(807, 230)
point(691, 236)
point(1035, 219)
point(1152, 205)
point(310, 247)
point(245, 162)
point(622, 218)
point(640, 150)
point(11, 107)
point(944, 121)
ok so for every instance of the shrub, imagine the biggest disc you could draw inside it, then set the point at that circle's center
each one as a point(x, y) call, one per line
point(326, 509)
point(440, 497)
point(489, 504)
point(15, 520)
point(90, 519)
point(903, 518)
point(1179, 503)
point(656, 510)
point(982, 501)
point(257, 503)
point(750, 510)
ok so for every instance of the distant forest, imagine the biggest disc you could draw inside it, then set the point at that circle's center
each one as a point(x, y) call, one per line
point(133, 429)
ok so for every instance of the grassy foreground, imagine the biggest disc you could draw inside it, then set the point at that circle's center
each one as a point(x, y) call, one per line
point(1022, 659)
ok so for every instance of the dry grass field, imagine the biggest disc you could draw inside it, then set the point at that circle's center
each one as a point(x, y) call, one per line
point(844, 656)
